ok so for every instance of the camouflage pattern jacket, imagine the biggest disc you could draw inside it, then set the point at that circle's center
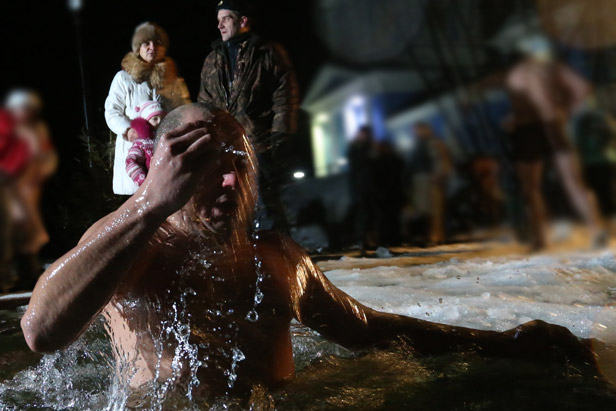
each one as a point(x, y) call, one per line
point(263, 95)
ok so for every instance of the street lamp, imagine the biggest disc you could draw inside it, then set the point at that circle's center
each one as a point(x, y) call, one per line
point(75, 7)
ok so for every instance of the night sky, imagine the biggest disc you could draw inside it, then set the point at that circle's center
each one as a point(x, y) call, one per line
point(40, 52)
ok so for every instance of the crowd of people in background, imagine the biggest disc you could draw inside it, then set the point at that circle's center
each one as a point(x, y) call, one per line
point(553, 124)
point(247, 76)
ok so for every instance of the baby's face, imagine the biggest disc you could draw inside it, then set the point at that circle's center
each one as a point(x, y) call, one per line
point(155, 121)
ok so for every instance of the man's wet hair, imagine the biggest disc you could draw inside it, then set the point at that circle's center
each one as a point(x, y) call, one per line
point(174, 118)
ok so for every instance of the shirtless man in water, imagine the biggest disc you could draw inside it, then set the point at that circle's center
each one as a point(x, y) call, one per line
point(188, 288)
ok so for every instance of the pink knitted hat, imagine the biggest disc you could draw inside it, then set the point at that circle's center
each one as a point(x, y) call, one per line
point(149, 109)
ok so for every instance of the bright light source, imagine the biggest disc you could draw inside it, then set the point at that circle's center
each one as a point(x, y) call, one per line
point(356, 101)
point(321, 118)
point(299, 175)
point(75, 5)
point(355, 115)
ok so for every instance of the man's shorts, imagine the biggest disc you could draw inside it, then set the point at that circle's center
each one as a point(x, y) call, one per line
point(536, 141)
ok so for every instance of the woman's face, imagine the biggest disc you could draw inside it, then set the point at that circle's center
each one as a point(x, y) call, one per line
point(152, 51)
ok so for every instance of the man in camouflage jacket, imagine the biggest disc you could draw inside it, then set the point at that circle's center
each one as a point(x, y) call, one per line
point(262, 95)
point(254, 81)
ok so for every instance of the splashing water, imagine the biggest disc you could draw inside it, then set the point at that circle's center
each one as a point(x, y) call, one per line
point(232, 150)
point(252, 315)
point(83, 377)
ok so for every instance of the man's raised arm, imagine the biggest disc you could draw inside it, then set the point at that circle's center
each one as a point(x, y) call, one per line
point(73, 290)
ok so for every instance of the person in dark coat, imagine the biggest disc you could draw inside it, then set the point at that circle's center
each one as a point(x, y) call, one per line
point(362, 185)
point(430, 167)
point(389, 196)
point(253, 80)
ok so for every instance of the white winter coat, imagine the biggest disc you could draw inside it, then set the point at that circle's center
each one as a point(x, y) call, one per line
point(125, 94)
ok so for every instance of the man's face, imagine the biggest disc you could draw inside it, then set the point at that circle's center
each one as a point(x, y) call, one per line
point(229, 24)
point(216, 203)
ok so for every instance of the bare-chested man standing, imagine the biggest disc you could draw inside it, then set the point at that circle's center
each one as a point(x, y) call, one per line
point(188, 289)
point(544, 94)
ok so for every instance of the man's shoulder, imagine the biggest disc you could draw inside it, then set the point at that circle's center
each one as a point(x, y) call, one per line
point(216, 47)
point(272, 47)
point(269, 239)
point(264, 45)
point(279, 251)
point(211, 55)
point(517, 76)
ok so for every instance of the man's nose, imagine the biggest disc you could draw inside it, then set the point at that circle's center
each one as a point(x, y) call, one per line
point(229, 180)
point(220, 26)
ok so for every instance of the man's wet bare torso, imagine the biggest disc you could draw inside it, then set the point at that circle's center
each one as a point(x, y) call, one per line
point(212, 291)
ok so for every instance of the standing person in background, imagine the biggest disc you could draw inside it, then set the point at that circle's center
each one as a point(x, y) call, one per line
point(388, 173)
point(430, 169)
point(594, 137)
point(363, 186)
point(25, 107)
point(253, 80)
point(14, 159)
point(147, 74)
point(544, 94)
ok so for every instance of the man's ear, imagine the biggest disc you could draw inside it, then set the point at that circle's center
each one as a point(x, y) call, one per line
point(243, 22)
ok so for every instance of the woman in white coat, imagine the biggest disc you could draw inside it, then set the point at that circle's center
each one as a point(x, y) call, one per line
point(147, 74)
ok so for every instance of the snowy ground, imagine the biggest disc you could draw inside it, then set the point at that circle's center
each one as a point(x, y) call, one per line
point(461, 285)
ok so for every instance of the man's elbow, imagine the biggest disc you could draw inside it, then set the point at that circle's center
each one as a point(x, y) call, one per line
point(37, 341)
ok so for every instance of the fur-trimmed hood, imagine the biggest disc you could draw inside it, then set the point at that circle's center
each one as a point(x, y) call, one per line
point(155, 74)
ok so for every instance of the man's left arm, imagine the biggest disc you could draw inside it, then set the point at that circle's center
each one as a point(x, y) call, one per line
point(318, 304)
point(285, 97)
point(579, 89)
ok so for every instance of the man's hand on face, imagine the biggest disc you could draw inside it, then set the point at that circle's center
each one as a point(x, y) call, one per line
point(177, 167)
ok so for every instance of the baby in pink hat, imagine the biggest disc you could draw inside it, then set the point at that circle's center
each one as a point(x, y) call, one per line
point(138, 159)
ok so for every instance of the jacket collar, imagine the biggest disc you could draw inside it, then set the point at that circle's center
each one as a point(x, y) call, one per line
point(154, 74)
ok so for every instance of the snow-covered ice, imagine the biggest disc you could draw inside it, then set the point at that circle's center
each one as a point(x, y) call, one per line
point(576, 290)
